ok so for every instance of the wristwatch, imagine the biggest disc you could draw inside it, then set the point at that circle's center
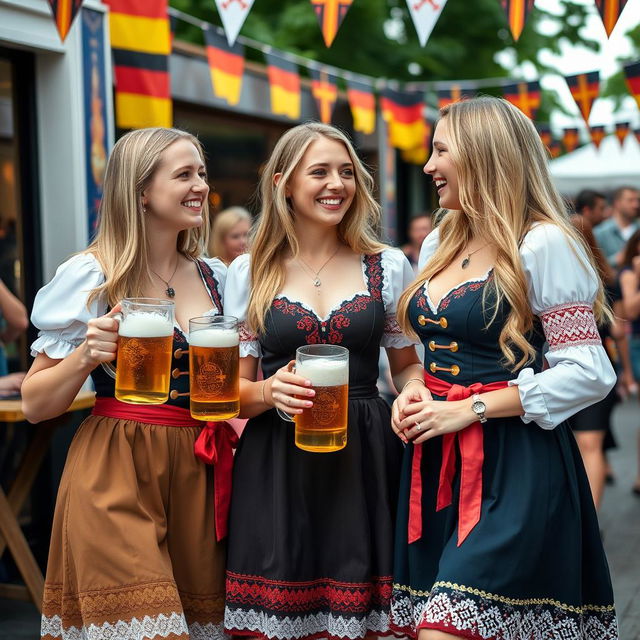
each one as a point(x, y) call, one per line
point(478, 407)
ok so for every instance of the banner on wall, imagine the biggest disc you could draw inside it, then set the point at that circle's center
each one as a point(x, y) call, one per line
point(425, 14)
point(64, 13)
point(330, 15)
point(233, 13)
point(95, 86)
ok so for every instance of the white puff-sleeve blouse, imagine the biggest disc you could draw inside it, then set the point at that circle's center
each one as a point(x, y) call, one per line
point(60, 310)
point(396, 275)
point(562, 286)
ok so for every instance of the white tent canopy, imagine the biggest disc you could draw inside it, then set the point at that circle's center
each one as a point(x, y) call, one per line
point(603, 169)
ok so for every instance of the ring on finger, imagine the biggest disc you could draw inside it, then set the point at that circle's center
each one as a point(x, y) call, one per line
point(418, 426)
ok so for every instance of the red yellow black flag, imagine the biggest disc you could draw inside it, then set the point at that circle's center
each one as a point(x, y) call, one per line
point(140, 45)
point(324, 89)
point(363, 106)
point(636, 133)
point(517, 13)
point(570, 139)
point(622, 131)
point(284, 84)
point(420, 154)
point(330, 14)
point(632, 76)
point(452, 94)
point(226, 65)
point(584, 88)
point(64, 11)
point(544, 130)
point(525, 96)
point(598, 134)
point(403, 112)
point(610, 11)
point(554, 148)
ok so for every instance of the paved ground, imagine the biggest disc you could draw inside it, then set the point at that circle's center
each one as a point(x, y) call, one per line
point(620, 521)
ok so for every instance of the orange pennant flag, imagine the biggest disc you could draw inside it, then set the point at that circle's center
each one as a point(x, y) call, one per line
point(64, 11)
point(610, 11)
point(330, 14)
point(517, 13)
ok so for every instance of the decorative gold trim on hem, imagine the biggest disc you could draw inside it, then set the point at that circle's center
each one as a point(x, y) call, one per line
point(504, 599)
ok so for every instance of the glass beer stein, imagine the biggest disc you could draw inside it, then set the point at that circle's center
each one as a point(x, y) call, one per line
point(214, 367)
point(145, 343)
point(323, 427)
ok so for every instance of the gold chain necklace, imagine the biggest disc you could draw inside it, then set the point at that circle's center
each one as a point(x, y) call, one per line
point(316, 274)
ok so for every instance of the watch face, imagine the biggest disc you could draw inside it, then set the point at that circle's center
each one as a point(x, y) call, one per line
point(478, 406)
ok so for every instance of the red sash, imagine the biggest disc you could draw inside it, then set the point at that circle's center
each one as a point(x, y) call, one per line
point(214, 445)
point(470, 440)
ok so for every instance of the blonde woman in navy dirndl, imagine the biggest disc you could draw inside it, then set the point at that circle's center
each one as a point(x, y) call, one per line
point(497, 534)
point(136, 546)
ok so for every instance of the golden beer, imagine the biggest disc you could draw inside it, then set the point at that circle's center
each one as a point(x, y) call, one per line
point(323, 427)
point(214, 370)
point(144, 358)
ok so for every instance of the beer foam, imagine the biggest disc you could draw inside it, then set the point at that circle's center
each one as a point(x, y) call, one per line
point(214, 338)
point(324, 373)
point(145, 325)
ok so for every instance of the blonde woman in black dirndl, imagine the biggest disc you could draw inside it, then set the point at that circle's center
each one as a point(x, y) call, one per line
point(497, 533)
point(136, 547)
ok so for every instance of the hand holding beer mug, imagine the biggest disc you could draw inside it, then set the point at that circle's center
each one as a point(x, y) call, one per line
point(144, 351)
point(214, 367)
point(323, 427)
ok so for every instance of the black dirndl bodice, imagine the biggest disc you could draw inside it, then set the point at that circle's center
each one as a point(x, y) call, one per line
point(533, 565)
point(311, 534)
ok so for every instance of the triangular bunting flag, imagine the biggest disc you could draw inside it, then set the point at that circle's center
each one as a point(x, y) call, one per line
point(525, 96)
point(544, 130)
point(554, 149)
point(420, 154)
point(517, 13)
point(284, 84)
point(325, 90)
point(140, 45)
point(632, 76)
point(636, 133)
point(610, 11)
point(330, 14)
point(403, 112)
point(233, 13)
point(584, 88)
point(622, 131)
point(570, 139)
point(453, 94)
point(363, 106)
point(226, 65)
point(598, 134)
point(425, 14)
point(64, 11)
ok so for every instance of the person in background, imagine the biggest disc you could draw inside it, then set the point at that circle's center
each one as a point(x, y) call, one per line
point(420, 226)
point(230, 234)
point(13, 322)
point(612, 234)
point(10, 384)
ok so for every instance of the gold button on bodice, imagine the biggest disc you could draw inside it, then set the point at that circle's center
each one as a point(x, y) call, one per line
point(423, 320)
point(452, 346)
point(454, 370)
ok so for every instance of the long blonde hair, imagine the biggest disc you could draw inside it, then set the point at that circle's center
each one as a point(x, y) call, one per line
point(274, 233)
point(121, 244)
point(504, 188)
point(223, 222)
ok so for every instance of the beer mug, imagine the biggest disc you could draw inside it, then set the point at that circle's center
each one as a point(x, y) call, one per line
point(145, 341)
point(323, 427)
point(214, 367)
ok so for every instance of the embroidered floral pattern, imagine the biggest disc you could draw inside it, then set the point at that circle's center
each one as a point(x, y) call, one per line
point(246, 335)
point(479, 615)
point(570, 324)
point(211, 282)
point(459, 292)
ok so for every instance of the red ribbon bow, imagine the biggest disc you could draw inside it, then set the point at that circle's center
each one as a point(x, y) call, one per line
point(215, 446)
point(471, 445)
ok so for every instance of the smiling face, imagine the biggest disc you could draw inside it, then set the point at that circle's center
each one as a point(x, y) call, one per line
point(322, 187)
point(177, 192)
point(442, 169)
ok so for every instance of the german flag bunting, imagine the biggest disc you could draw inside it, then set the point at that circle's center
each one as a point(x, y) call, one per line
point(636, 133)
point(284, 83)
point(525, 96)
point(226, 65)
point(141, 44)
point(330, 14)
point(570, 139)
point(632, 76)
point(324, 89)
point(363, 106)
point(610, 11)
point(452, 94)
point(64, 12)
point(403, 112)
point(598, 134)
point(517, 13)
point(544, 130)
point(622, 131)
point(420, 154)
point(554, 149)
point(584, 88)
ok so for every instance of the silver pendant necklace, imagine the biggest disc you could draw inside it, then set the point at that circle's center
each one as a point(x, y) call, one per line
point(170, 291)
point(467, 260)
point(316, 274)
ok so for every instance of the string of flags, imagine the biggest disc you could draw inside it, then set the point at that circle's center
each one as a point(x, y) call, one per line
point(141, 40)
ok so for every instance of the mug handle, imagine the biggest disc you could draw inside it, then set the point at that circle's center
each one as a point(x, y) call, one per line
point(107, 366)
point(284, 415)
